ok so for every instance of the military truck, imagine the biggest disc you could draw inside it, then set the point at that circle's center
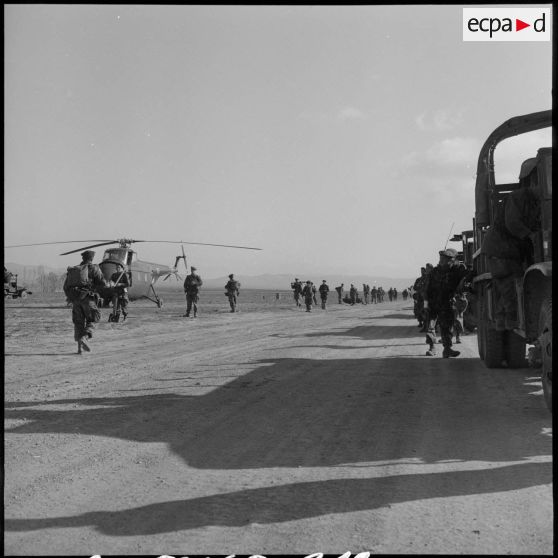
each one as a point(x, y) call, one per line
point(533, 288)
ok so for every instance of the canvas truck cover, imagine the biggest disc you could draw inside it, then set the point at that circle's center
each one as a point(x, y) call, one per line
point(485, 166)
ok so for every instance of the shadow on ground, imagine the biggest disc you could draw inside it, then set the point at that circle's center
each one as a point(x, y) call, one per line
point(297, 501)
point(316, 413)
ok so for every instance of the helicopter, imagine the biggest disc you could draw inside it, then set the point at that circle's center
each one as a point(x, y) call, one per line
point(142, 275)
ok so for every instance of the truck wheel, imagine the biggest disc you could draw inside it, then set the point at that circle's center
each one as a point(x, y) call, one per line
point(515, 350)
point(494, 352)
point(545, 340)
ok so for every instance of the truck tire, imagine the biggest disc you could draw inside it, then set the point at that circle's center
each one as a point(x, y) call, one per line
point(494, 352)
point(545, 340)
point(515, 350)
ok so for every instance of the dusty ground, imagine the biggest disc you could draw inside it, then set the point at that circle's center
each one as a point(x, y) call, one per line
point(267, 431)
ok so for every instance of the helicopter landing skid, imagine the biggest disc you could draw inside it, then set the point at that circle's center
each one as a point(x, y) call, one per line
point(157, 300)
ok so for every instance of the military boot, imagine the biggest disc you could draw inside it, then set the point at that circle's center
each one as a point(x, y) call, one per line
point(431, 351)
point(449, 352)
point(83, 344)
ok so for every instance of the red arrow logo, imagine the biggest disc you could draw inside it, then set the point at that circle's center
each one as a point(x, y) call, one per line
point(519, 25)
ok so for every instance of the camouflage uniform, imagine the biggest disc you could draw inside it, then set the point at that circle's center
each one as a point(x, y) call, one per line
point(353, 294)
point(339, 290)
point(192, 285)
point(120, 299)
point(418, 296)
point(84, 300)
point(440, 288)
point(296, 286)
point(232, 288)
point(324, 291)
point(308, 295)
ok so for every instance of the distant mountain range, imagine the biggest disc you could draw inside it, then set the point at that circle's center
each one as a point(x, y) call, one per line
point(279, 282)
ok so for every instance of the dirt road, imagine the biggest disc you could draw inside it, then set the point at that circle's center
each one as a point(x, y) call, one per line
point(267, 431)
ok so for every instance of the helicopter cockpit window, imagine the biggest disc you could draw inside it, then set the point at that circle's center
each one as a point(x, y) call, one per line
point(115, 254)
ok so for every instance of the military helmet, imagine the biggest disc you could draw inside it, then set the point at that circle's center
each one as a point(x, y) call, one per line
point(193, 268)
point(231, 276)
point(527, 166)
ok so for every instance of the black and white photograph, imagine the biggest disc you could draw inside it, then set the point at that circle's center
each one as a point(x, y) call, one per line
point(368, 189)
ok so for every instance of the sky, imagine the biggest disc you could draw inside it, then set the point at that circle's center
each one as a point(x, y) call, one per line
point(338, 139)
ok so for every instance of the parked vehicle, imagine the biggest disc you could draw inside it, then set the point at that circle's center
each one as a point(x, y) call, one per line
point(533, 288)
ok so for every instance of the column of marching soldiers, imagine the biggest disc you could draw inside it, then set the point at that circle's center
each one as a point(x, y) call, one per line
point(439, 299)
point(307, 293)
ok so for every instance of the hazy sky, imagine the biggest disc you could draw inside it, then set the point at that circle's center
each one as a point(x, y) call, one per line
point(338, 139)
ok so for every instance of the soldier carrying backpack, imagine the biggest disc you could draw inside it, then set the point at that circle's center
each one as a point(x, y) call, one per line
point(80, 287)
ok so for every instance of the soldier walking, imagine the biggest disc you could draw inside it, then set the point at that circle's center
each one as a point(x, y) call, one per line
point(353, 294)
point(296, 286)
point(120, 298)
point(192, 285)
point(308, 295)
point(365, 292)
point(314, 294)
point(80, 287)
point(340, 290)
point(324, 291)
point(442, 283)
point(232, 291)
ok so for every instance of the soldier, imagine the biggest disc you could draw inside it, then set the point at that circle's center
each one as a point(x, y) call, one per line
point(418, 296)
point(324, 291)
point(296, 286)
point(353, 294)
point(232, 291)
point(308, 295)
point(120, 299)
point(381, 294)
point(340, 290)
point(80, 287)
point(442, 283)
point(192, 285)
point(374, 293)
point(395, 294)
point(314, 294)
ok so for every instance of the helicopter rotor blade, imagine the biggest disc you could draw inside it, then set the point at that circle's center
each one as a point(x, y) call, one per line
point(61, 242)
point(201, 244)
point(87, 247)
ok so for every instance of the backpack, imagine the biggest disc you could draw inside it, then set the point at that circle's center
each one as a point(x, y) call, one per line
point(77, 276)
